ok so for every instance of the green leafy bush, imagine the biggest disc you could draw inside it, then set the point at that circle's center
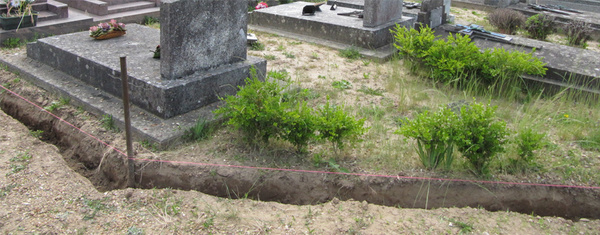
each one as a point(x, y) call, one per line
point(528, 140)
point(412, 44)
point(265, 110)
point(300, 126)
point(540, 26)
point(451, 59)
point(337, 126)
point(507, 20)
point(258, 108)
point(457, 59)
point(500, 63)
point(435, 134)
point(480, 136)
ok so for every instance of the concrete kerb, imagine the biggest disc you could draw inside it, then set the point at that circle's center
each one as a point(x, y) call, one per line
point(380, 54)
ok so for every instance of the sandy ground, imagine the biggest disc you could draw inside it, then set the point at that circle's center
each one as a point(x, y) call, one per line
point(41, 194)
point(47, 197)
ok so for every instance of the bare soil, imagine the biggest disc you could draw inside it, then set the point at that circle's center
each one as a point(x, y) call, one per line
point(52, 192)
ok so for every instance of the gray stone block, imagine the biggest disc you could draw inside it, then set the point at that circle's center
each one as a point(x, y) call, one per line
point(435, 18)
point(380, 12)
point(198, 35)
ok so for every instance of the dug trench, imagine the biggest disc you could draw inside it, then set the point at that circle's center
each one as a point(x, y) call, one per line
point(107, 170)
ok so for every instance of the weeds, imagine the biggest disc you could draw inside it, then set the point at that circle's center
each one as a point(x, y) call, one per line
point(12, 43)
point(108, 123)
point(5, 190)
point(508, 21)
point(96, 205)
point(350, 53)
point(281, 75)
point(149, 145)
point(578, 32)
point(19, 162)
point(289, 55)
point(36, 134)
point(150, 20)
point(133, 230)
point(199, 131)
point(464, 227)
point(343, 84)
point(371, 91)
point(270, 57)
point(257, 46)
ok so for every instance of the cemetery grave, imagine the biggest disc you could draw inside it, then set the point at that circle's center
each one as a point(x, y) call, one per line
point(155, 79)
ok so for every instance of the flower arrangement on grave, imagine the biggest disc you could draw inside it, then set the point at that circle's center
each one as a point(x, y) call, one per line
point(19, 13)
point(107, 30)
point(261, 5)
point(18, 7)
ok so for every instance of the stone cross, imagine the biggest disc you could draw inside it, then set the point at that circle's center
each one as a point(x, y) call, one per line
point(199, 35)
point(380, 12)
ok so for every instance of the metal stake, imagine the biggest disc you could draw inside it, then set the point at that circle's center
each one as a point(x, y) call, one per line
point(130, 162)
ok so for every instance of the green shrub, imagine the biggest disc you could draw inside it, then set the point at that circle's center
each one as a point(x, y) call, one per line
point(300, 126)
point(500, 63)
point(480, 136)
point(264, 110)
point(257, 109)
point(412, 44)
point(451, 59)
point(507, 20)
point(435, 134)
point(540, 26)
point(337, 126)
point(528, 140)
point(578, 32)
point(457, 59)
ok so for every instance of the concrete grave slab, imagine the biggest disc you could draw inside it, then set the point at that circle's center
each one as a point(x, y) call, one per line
point(327, 27)
point(74, 55)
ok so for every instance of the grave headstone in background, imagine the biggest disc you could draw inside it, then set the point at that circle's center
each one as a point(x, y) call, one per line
point(434, 12)
point(380, 12)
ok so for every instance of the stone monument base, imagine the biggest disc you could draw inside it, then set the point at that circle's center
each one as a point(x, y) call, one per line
point(96, 62)
point(326, 25)
point(88, 72)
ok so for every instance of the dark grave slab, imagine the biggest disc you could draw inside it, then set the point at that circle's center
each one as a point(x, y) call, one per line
point(97, 64)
